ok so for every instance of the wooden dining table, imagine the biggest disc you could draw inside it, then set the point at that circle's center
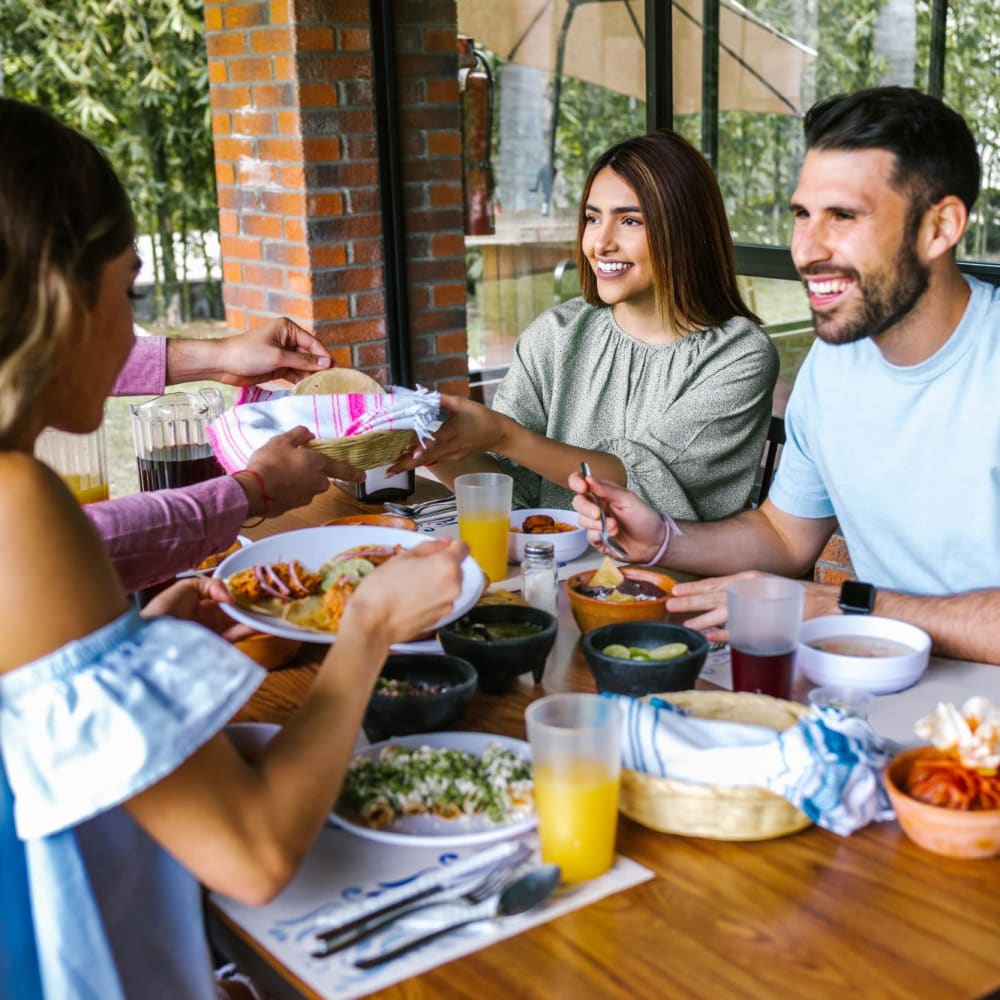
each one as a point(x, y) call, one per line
point(810, 915)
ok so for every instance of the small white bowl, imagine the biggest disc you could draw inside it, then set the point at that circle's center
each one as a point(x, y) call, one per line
point(875, 674)
point(566, 545)
point(850, 700)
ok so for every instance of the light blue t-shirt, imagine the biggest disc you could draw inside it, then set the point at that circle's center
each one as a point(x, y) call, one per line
point(906, 458)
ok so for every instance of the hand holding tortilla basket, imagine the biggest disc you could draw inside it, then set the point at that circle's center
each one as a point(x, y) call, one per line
point(352, 419)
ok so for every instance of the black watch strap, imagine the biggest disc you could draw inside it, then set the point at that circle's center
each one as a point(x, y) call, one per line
point(856, 598)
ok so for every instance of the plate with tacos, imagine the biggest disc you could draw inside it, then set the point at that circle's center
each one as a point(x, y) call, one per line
point(296, 585)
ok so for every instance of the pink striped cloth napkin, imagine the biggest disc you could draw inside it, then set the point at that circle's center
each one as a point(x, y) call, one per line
point(260, 414)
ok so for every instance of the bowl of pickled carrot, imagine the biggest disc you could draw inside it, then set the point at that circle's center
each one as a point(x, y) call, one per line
point(947, 795)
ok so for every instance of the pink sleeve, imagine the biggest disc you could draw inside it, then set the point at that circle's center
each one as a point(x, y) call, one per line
point(151, 537)
point(145, 371)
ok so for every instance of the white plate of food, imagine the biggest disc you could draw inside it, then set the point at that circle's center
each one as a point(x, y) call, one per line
point(385, 782)
point(312, 548)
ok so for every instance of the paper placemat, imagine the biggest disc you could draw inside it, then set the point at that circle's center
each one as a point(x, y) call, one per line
point(348, 872)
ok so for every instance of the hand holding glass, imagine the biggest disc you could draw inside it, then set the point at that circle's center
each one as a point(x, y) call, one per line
point(576, 762)
point(764, 617)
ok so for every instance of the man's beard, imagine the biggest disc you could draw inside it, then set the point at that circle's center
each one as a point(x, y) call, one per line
point(882, 304)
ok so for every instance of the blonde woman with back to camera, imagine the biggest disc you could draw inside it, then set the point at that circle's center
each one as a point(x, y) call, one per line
point(119, 793)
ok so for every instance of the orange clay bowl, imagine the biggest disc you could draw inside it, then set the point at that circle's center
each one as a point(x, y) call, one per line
point(958, 833)
point(378, 520)
point(270, 651)
point(590, 613)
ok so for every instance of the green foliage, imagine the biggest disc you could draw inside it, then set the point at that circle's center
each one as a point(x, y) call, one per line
point(132, 75)
point(579, 142)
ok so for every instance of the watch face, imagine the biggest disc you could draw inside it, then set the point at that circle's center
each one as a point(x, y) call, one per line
point(856, 596)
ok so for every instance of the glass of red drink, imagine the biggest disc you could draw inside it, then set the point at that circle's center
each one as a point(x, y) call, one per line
point(172, 447)
point(764, 617)
point(171, 444)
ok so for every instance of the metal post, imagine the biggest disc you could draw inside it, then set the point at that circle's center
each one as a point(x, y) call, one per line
point(397, 320)
point(939, 25)
point(659, 64)
point(710, 82)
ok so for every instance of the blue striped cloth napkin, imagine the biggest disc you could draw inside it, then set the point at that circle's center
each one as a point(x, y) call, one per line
point(829, 764)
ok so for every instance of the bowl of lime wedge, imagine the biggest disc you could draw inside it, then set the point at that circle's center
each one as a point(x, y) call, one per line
point(644, 657)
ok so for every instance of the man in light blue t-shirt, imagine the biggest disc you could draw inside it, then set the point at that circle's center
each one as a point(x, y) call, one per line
point(894, 423)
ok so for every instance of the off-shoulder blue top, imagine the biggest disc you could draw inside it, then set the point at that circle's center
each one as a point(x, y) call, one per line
point(82, 730)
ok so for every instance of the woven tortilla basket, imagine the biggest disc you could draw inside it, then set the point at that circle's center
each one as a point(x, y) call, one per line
point(714, 811)
point(365, 451)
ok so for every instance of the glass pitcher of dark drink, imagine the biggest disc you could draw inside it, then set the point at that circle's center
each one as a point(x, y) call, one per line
point(171, 444)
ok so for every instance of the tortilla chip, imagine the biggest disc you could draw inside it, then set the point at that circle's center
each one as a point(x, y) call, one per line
point(606, 575)
point(502, 597)
point(307, 612)
point(210, 562)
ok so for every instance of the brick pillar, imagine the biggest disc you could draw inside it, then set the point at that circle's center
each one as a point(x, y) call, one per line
point(427, 65)
point(297, 172)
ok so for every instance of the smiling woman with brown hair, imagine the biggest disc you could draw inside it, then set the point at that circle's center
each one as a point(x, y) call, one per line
point(658, 376)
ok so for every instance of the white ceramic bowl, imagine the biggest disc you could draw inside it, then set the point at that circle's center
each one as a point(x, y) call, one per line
point(566, 545)
point(876, 674)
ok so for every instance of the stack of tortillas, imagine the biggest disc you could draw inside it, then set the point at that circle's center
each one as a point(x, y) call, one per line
point(363, 451)
point(715, 811)
point(337, 381)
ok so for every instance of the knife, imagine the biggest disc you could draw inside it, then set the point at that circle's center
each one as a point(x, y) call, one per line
point(454, 875)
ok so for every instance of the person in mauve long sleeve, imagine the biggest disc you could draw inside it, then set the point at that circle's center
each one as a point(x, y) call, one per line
point(151, 537)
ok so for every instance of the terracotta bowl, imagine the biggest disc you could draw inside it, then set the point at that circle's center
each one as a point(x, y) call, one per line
point(270, 651)
point(958, 833)
point(591, 613)
point(379, 520)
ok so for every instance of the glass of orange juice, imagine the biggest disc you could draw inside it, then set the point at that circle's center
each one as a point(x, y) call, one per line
point(483, 501)
point(81, 460)
point(576, 762)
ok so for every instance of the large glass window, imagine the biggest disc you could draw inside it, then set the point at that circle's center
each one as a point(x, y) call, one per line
point(570, 79)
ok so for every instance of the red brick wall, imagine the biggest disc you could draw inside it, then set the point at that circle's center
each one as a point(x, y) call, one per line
point(834, 563)
point(297, 171)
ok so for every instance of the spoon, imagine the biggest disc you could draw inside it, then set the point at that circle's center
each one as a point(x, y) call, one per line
point(606, 540)
point(520, 896)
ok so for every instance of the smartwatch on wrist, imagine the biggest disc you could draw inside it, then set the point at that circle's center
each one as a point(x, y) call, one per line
point(856, 598)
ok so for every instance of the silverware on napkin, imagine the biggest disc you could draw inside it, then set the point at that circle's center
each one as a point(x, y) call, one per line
point(491, 884)
point(448, 884)
point(418, 509)
point(518, 896)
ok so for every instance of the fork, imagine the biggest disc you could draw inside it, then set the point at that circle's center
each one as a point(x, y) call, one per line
point(609, 543)
point(412, 510)
point(491, 885)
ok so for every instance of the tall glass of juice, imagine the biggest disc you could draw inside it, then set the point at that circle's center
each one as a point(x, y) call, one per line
point(765, 613)
point(483, 501)
point(576, 764)
point(81, 460)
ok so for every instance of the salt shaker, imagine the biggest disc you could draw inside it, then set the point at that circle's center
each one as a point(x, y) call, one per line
point(539, 581)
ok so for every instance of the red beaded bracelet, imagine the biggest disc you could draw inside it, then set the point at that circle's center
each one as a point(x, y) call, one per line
point(263, 492)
